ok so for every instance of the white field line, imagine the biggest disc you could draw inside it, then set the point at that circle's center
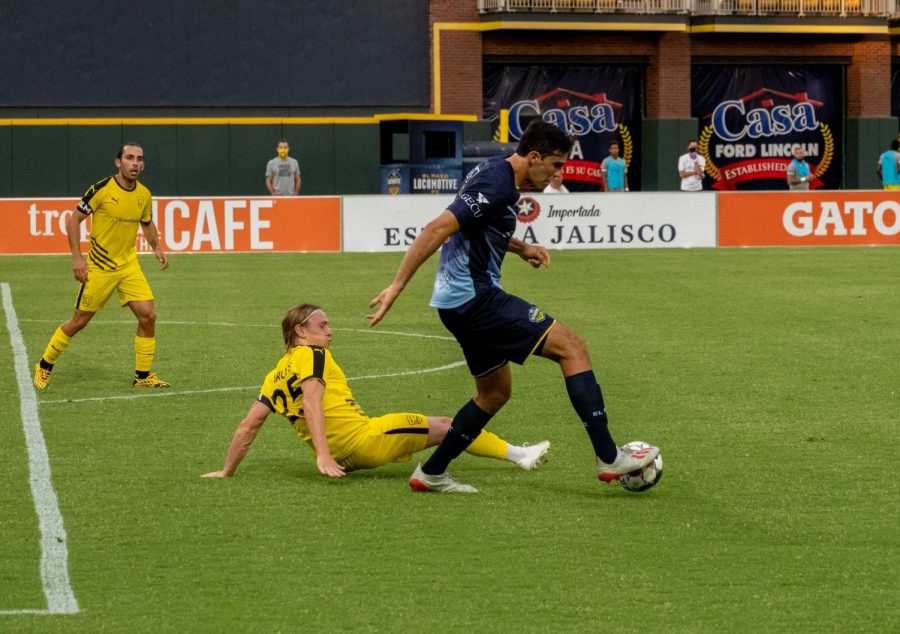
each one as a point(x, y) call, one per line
point(129, 397)
point(54, 554)
point(224, 324)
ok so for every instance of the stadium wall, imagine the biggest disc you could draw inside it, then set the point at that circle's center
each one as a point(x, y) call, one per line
point(214, 224)
point(417, 57)
point(220, 156)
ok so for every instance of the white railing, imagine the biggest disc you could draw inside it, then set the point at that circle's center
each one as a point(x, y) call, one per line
point(841, 8)
point(585, 6)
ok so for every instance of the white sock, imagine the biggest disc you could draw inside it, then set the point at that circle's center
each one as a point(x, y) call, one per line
point(514, 453)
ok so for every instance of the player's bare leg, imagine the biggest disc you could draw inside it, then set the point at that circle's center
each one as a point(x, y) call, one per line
point(570, 351)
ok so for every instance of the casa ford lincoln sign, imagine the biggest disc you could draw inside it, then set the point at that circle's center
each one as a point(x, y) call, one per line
point(573, 221)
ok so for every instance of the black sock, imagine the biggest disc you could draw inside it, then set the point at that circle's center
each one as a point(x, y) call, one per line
point(45, 365)
point(141, 374)
point(466, 425)
point(587, 399)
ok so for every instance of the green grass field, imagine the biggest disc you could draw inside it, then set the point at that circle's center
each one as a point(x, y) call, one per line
point(768, 377)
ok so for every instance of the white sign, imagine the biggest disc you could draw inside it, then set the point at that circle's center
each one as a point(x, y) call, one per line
point(562, 221)
point(388, 223)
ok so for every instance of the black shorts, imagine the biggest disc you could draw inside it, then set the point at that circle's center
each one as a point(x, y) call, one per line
point(495, 328)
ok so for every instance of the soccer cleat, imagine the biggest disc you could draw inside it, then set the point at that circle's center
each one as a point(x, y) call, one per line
point(627, 460)
point(151, 380)
point(41, 377)
point(421, 481)
point(535, 455)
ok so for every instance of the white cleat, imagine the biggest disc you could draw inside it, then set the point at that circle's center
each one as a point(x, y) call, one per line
point(443, 483)
point(535, 455)
point(627, 460)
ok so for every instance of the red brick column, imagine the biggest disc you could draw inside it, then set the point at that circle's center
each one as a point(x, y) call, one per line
point(460, 58)
point(869, 78)
point(669, 78)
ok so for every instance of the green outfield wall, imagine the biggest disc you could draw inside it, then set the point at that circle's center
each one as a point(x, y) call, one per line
point(184, 158)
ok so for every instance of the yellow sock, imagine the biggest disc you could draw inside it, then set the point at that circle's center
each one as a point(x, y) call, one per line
point(488, 445)
point(58, 344)
point(144, 347)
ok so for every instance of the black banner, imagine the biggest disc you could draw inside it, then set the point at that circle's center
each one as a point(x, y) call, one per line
point(751, 116)
point(595, 104)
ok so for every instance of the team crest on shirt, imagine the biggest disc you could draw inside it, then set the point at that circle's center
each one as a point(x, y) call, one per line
point(527, 209)
point(140, 201)
point(536, 315)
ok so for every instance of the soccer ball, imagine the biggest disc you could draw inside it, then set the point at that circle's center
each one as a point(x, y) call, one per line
point(642, 479)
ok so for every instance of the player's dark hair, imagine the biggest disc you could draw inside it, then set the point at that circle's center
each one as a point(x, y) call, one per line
point(612, 143)
point(294, 317)
point(280, 141)
point(125, 145)
point(544, 138)
point(895, 145)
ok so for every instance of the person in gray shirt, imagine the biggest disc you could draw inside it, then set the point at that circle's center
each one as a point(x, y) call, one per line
point(283, 172)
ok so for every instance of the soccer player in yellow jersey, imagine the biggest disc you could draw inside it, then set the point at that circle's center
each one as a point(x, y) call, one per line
point(117, 205)
point(309, 389)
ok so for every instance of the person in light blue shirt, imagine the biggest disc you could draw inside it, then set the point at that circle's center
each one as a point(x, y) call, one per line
point(614, 171)
point(798, 172)
point(888, 169)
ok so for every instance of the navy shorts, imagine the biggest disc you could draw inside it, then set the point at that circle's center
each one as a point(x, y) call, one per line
point(495, 328)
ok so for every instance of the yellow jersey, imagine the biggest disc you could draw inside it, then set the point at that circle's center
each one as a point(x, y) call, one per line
point(115, 213)
point(345, 422)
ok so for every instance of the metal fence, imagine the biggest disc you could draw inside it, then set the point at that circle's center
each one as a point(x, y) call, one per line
point(840, 8)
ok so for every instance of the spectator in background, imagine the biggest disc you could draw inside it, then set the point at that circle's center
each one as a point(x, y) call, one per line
point(888, 169)
point(690, 169)
point(283, 172)
point(613, 171)
point(798, 172)
point(556, 186)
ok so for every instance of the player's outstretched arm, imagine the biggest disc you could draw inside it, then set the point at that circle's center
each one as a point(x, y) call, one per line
point(313, 392)
point(243, 437)
point(423, 247)
point(534, 254)
point(152, 236)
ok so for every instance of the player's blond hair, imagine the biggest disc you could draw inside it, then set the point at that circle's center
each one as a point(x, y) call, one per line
point(296, 316)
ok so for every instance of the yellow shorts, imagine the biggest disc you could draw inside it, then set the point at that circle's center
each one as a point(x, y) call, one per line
point(389, 438)
point(129, 281)
point(892, 187)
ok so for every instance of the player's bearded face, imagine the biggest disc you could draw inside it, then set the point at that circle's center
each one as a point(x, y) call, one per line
point(132, 163)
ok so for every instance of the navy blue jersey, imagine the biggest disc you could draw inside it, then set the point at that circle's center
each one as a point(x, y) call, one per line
point(471, 258)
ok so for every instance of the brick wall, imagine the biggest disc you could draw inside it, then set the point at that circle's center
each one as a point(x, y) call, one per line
point(461, 63)
point(668, 79)
point(869, 78)
point(669, 56)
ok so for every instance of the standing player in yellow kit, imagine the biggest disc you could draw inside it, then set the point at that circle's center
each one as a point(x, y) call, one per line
point(117, 205)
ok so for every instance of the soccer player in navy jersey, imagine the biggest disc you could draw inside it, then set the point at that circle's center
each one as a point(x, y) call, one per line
point(492, 326)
